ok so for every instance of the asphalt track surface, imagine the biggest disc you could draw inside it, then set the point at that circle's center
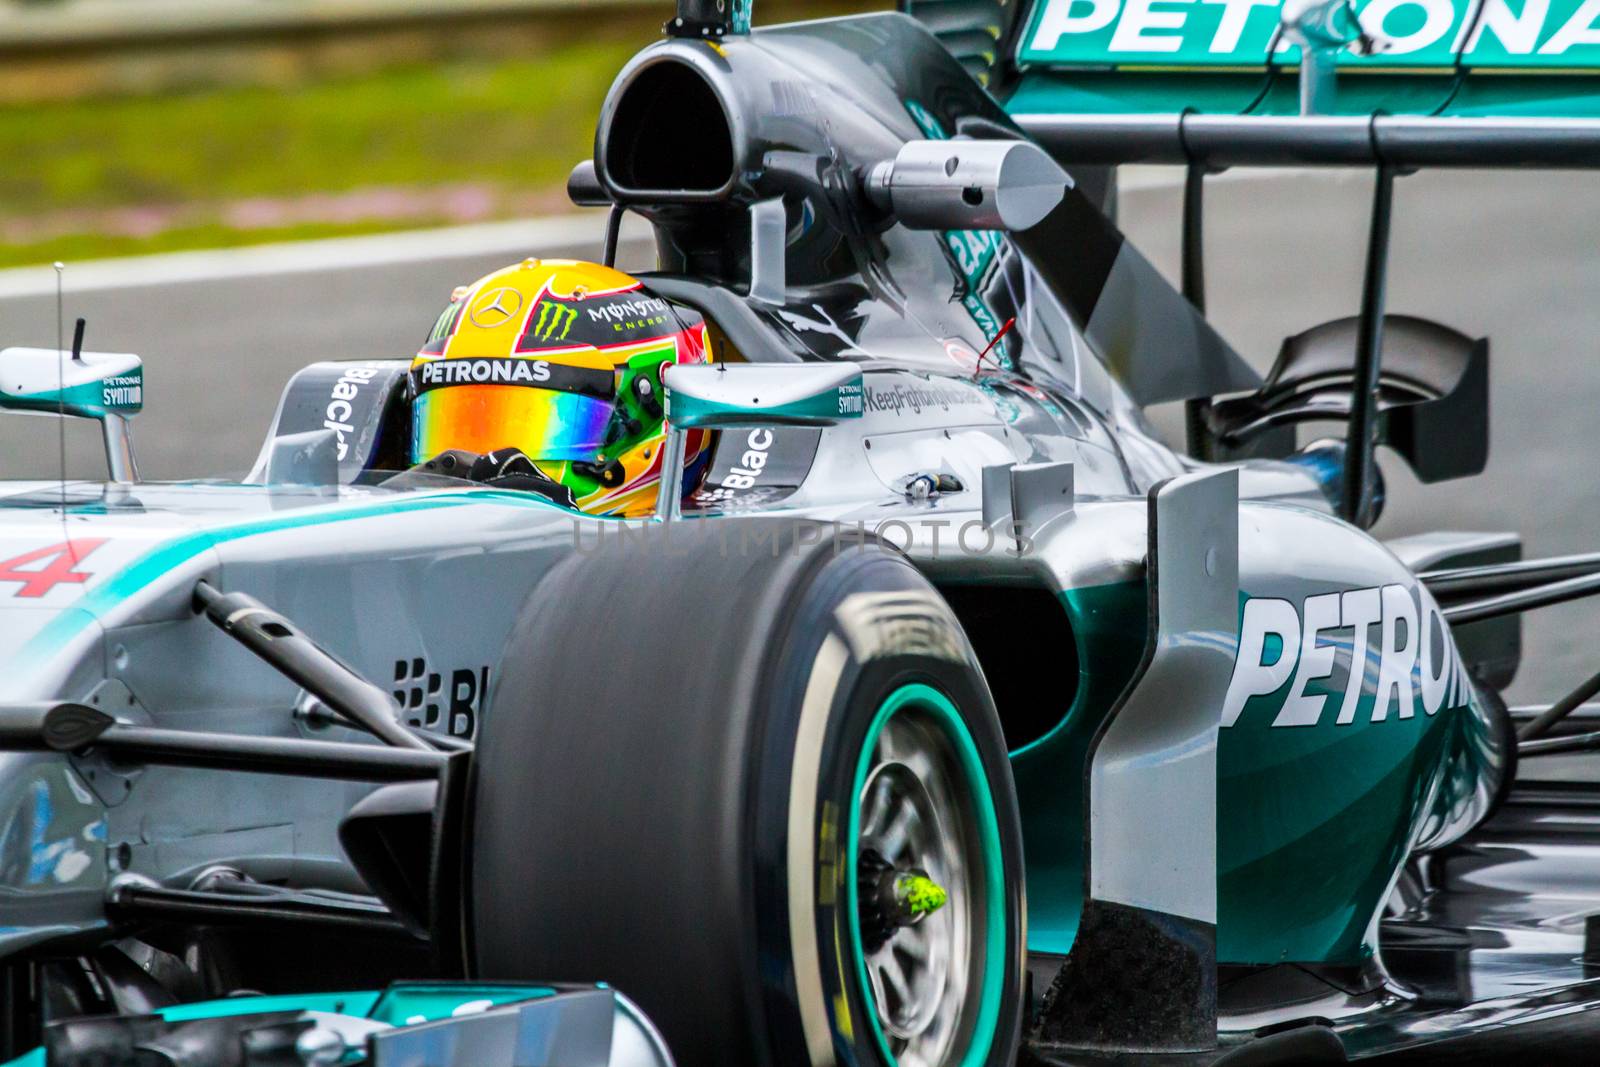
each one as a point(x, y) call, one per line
point(1515, 257)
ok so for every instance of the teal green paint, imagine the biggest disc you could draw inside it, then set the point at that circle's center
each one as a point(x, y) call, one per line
point(1572, 96)
point(1136, 92)
point(973, 252)
point(1177, 33)
point(1430, 94)
point(983, 317)
point(1108, 629)
point(1132, 92)
point(81, 399)
point(400, 1005)
point(930, 701)
point(409, 1003)
point(358, 1004)
point(175, 553)
point(1313, 821)
point(119, 394)
point(123, 394)
point(846, 401)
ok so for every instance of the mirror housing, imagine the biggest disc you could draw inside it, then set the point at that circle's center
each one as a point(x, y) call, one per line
point(108, 386)
point(968, 185)
point(93, 386)
point(708, 396)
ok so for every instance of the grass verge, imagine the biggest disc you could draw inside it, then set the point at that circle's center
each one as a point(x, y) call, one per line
point(426, 144)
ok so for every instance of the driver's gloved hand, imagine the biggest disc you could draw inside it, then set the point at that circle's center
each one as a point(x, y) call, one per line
point(510, 468)
point(502, 463)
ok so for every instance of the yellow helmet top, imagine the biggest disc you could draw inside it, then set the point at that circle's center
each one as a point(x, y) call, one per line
point(561, 360)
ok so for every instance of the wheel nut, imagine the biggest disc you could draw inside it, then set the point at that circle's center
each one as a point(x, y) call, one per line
point(918, 896)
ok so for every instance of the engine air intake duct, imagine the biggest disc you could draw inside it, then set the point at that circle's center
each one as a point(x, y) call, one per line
point(666, 135)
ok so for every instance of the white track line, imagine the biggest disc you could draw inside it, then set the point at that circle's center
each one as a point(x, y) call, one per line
point(580, 233)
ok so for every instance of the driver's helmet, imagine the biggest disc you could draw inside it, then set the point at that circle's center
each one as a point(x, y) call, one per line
point(560, 361)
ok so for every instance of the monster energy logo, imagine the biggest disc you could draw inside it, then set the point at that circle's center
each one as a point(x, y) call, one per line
point(554, 322)
point(441, 328)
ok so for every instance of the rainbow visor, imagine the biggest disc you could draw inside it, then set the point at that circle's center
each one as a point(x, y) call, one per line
point(549, 416)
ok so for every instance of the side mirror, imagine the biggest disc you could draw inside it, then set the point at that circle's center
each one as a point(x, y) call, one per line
point(1433, 394)
point(713, 396)
point(106, 386)
point(706, 396)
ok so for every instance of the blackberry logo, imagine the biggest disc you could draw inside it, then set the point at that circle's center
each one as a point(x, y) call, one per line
point(426, 703)
point(554, 322)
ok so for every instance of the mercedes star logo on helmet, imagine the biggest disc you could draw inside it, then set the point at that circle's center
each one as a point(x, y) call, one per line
point(496, 308)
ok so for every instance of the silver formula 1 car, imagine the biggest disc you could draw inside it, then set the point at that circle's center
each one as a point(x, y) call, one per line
point(932, 712)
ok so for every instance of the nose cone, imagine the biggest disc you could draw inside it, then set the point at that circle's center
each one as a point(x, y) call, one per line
point(44, 572)
point(59, 570)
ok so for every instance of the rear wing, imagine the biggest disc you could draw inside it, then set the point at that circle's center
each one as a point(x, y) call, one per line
point(1396, 85)
point(1403, 142)
point(1424, 83)
point(1416, 35)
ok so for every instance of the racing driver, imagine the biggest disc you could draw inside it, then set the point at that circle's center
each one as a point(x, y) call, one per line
point(546, 376)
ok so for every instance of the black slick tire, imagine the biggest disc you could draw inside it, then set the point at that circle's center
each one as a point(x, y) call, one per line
point(669, 777)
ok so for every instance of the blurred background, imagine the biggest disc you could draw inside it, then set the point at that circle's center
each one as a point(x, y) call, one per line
point(136, 126)
point(240, 187)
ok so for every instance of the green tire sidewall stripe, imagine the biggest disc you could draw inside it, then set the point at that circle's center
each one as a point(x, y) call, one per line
point(929, 700)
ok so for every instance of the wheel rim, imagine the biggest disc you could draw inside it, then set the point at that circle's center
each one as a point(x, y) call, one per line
point(925, 888)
